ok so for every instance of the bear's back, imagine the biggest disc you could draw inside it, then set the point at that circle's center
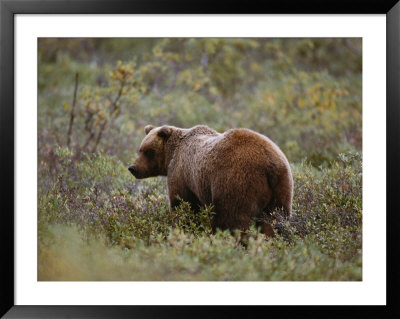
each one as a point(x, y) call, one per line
point(247, 143)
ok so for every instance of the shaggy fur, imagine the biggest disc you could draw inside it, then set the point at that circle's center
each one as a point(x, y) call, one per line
point(243, 174)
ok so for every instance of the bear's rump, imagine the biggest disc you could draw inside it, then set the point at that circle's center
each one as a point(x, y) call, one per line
point(241, 191)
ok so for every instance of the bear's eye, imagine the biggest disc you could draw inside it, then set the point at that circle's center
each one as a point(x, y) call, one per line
point(149, 153)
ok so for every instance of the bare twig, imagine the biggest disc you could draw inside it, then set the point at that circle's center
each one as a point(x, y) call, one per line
point(121, 88)
point(89, 138)
point(351, 47)
point(102, 127)
point(72, 115)
point(114, 108)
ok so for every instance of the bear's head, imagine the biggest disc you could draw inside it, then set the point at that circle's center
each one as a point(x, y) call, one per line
point(152, 154)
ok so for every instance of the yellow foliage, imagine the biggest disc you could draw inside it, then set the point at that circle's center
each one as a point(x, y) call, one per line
point(197, 86)
point(270, 98)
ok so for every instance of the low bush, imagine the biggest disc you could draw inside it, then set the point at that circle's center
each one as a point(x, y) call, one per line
point(107, 208)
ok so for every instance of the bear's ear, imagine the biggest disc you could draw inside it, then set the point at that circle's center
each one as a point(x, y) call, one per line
point(148, 128)
point(165, 132)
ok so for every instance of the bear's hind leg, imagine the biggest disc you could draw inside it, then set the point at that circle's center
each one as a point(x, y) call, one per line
point(266, 228)
point(230, 215)
point(283, 194)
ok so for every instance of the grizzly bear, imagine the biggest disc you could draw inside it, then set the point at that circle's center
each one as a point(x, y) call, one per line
point(243, 174)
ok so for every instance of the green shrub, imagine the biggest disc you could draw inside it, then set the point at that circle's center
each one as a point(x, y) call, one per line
point(97, 194)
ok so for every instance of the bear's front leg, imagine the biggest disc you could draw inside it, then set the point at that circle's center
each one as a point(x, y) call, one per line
point(178, 192)
point(174, 201)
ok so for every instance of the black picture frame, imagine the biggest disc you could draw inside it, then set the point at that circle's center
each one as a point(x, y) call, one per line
point(9, 8)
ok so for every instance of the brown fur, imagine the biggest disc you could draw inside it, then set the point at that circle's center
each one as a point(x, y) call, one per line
point(240, 172)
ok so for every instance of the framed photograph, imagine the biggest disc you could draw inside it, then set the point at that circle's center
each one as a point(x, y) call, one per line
point(159, 156)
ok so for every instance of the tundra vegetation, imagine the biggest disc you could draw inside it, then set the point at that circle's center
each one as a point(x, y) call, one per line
point(96, 222)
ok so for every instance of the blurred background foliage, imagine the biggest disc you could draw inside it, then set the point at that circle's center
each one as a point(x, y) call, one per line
point(95, 97)
point(305, 94)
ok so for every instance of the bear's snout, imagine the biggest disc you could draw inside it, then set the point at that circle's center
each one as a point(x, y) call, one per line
point(133, 170)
